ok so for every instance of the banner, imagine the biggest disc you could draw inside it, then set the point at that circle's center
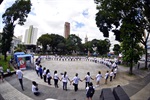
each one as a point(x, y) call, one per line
point(22, 62)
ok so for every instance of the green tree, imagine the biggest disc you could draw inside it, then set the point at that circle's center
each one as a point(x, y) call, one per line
point(73, 43)
point(87, 47)
point(116, 49)
point(55, 40)
point(101, 45)
point(128, 23)
point(44, 40)
point(16, 14)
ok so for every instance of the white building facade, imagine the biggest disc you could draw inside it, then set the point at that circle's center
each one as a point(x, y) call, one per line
point(31, 35)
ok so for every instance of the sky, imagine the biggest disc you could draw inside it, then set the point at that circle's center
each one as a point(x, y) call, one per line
point(49, 16)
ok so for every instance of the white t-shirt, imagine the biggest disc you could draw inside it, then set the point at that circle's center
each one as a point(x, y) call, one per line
point(106, 75)
point(87, 78)
point(1, 69)
point(37, 67)
point(44, 72)
point(115, 70)
point(55, 76)
point(19, 74)
point(65, 79)
point(76, 80)
point(98, 77)
point(111, 73)
point(34, 89)
point(48, 75)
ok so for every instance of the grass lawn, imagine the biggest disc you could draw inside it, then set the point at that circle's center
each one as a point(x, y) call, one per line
point(5, 64)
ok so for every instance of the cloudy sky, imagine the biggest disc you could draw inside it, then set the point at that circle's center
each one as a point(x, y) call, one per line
point(49, 16)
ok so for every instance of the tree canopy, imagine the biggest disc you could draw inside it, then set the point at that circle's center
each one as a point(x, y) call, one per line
point(127, 19)
point(16, 14)
point(116, 49)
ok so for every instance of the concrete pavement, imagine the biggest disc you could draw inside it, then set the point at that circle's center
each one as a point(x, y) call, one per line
point(137, 87)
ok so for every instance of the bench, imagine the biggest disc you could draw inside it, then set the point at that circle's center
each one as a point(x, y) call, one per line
point(106, 94)
point(120, 94)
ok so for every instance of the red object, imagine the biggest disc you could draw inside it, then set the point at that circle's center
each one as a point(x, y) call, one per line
point(22, 63)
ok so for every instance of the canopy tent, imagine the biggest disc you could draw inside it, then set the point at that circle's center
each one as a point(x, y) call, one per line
point(22, 60)
point(18, 53)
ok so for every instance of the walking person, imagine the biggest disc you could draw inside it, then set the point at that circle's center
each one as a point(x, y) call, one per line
point(44, 74)
point(115, 72)
point(98, 78)
point(87, 79)
point(106, 76)
point(111, 75)
point(48, 75)
point(75, 81)
point(1, 73)
point(90, 90)
point(56, 78)
point(20, 77)
point(35, 89)
point(65, 80)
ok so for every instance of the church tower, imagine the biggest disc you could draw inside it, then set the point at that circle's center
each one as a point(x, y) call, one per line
point(86, 39)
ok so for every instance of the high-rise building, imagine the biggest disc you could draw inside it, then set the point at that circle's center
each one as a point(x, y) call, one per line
point(86, 39)
point(31, 35)
point(66, 29)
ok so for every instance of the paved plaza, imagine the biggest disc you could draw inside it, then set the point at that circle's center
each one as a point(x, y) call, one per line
point(137, 86)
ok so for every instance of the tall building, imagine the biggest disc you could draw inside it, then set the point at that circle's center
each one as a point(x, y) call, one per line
point(20, 37)
point(66, 29)
point(31, 35)
point(86, 39)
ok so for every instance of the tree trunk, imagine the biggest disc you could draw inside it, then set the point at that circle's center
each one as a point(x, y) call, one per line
point(131, 67)
point(5, 56)
point(146, 54)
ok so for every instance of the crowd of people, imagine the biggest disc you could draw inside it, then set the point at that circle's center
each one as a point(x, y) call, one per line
point(47, 76)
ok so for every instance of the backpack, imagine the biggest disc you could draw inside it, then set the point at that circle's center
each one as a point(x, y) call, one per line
point(91, 91)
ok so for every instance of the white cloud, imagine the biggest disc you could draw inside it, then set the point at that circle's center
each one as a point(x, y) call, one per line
point(49, 16)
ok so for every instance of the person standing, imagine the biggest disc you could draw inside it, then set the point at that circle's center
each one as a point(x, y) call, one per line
point(98, 78)
point(90, 91)
point(106, 77)
point(56, 78)
point(20, 77)
point(65, 80)
point(37, 68)
point(111, 75)
point(44, 74)
point(87, 79)
point(1, 73)
point(115, 72)
point(48, 75)
point(40, 71)
point(75, 81)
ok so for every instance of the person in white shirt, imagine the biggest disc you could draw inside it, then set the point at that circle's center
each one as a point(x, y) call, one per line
point(1, 73)
point(98, 78)
point(111, 74)
point(48, 75)
point(115, 72)
point(44, 74)
point(106, 77)
point(87, 79)
point(37, 66)
point(35, 89)
point(65, 80)
point(56, 78)
point(75, 81)
point(20, 77)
